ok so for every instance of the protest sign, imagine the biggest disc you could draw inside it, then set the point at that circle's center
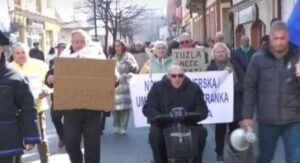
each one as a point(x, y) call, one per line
point(217, 87)
point(192, 60)
point(84, 84)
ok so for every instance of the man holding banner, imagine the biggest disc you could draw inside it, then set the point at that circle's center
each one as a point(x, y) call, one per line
point(174, 90)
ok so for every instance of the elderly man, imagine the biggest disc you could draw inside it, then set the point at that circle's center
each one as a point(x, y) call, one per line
point(17, 113)
point(271, 90)
point(244, 53)
point(80, 123)
point(35, 71)
point(185, 41)
point(219, 37)
point(174, 90)
point(59, 49)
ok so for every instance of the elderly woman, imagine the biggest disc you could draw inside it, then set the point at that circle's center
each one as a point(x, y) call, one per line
point(126, 66)
point(159, 62)
point(223, 62)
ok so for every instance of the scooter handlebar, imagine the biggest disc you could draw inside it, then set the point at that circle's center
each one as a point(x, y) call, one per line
point(170, 119)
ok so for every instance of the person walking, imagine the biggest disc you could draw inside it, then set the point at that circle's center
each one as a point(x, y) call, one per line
point(271, 90)
point(223, 62)
point(18, 130)
point(126, 67)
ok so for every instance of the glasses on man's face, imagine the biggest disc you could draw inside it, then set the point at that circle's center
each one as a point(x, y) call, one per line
point(185, 42)
point(177, 76)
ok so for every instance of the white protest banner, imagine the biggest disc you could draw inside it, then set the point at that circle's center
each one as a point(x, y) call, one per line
point(192, 59)
point(217, 87)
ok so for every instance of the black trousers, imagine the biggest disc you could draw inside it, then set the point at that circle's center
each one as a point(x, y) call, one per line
point(220, 134)
point(86, 124)
point(157, 143)
point(9, 159)
point(56, 117)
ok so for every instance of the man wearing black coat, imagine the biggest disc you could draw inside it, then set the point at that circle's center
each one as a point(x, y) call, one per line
point(174, 90)
point(36, 53)
point(272, 91)
point(17, 114)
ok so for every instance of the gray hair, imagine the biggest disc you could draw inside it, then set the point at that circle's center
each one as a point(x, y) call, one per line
point(174, 67)
point(221, 45)
point(186, 34)
point(219, 34)
point(277, 26)
point(81, 33)
point(157, 43)
point(21, 45)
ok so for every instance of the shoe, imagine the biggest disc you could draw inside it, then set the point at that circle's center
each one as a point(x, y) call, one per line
point(220, 159)
point(123, 131)
point(61, 144)
point(116, 130)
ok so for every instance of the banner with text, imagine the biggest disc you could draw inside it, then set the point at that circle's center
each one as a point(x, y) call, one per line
point(217, 87)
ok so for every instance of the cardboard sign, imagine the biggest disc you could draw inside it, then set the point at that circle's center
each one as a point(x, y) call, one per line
point(192, 60)
point(84, 84)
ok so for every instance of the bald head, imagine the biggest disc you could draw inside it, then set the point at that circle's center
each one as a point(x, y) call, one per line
point(219, 37)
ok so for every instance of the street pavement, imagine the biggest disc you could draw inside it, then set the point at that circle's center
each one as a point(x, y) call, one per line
point(131, 148)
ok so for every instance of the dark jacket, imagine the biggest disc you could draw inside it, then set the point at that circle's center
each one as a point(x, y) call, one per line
point(238, 87)
point(163, 97)
point(272, 87)
point(17, 113)
point(37, 54)
point(243, 58)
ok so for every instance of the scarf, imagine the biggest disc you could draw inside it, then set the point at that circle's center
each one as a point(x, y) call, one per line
point(222, 65)
point(245, 49)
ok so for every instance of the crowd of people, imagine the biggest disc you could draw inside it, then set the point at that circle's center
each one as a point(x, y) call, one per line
point(266, 86)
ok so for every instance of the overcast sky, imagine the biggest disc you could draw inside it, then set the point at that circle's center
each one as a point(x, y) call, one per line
point(66, 10)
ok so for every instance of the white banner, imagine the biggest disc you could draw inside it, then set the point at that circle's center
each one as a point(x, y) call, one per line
point(216, 85)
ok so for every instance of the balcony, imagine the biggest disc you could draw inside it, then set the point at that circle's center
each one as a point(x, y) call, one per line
point(195, 5)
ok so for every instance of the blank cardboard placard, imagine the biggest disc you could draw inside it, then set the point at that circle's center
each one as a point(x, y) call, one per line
point(84, 84)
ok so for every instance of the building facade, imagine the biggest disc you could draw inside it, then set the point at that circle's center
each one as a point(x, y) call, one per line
point(253, 17)
point(203, 18)
point(34, 21)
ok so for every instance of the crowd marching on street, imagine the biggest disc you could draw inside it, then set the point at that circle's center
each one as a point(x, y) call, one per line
point(266, 97)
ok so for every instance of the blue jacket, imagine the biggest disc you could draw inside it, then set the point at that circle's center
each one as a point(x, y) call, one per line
point(17, 113)
point(243, 58)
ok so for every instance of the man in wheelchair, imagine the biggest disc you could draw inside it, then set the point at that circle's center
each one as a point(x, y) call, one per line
point(175, 90)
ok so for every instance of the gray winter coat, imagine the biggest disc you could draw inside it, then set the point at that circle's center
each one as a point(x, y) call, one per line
point(272, 89)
